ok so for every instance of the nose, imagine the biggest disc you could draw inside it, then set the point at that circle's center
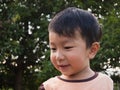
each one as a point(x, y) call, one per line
point(59, 55)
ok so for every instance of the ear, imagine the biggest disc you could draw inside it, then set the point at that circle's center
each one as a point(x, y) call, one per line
point(94, 49)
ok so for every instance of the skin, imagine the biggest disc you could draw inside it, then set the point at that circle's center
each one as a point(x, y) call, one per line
point(71, 57)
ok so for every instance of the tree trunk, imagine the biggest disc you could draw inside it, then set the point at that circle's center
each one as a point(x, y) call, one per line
point(18, 80)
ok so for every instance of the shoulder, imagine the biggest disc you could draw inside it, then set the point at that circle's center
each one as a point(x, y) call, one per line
point(101, 82)
point(46, 84)
point(50, 83)
point(41, 87)
point(105, 78)
point(51, 80)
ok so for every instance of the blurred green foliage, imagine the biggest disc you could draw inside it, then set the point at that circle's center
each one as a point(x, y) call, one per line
point(24, 50)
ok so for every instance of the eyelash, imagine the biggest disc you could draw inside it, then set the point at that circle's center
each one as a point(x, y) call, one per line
point(66, 48)
point(52, 49)
point(69, 47)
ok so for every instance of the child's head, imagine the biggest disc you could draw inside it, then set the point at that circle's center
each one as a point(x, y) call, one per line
point(73, 36)
point(72, 19)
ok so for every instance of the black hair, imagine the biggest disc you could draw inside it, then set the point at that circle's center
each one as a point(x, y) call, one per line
point(74, 19)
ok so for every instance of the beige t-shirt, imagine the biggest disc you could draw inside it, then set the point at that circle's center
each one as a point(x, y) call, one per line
point(98, 82)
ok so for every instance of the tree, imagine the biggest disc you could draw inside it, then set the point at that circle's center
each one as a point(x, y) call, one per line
point(23, 41)
point(24, 38)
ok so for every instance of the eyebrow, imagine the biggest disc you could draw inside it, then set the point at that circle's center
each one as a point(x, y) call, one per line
point(63, 42)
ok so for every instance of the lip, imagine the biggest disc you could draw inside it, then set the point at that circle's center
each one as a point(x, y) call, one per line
point(62, 66)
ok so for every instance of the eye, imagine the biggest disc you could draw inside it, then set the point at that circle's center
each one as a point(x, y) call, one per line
point(68, 47)
point(53, 49)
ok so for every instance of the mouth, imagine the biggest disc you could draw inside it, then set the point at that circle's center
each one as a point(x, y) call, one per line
point(62, 66)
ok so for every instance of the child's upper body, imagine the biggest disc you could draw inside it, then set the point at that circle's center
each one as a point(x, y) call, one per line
point(97, 82)
point(74, 36)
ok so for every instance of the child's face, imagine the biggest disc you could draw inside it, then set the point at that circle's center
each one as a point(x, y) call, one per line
point(69, 55)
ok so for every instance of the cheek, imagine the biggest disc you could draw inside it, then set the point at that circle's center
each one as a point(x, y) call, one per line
point(53, 60)
point(77, 62)
point(75, 59)
point(74, 56)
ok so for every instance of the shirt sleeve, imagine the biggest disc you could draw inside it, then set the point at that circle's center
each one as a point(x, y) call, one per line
point(41, 87)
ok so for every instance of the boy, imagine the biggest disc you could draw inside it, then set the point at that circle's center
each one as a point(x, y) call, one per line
point(74, 36)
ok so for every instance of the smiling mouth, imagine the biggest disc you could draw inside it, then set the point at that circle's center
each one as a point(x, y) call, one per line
point(63, 65)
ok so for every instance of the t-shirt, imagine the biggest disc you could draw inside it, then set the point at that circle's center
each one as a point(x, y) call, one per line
point(97, 82)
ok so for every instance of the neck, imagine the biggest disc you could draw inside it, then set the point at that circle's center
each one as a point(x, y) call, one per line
point(86, 73)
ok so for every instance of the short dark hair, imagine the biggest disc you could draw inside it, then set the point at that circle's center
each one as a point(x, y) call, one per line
point(74, 19)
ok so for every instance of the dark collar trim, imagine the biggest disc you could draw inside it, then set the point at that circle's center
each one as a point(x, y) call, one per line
point(83, 80)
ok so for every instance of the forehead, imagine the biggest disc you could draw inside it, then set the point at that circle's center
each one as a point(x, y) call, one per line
point(54, 37)
point(75, 34)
